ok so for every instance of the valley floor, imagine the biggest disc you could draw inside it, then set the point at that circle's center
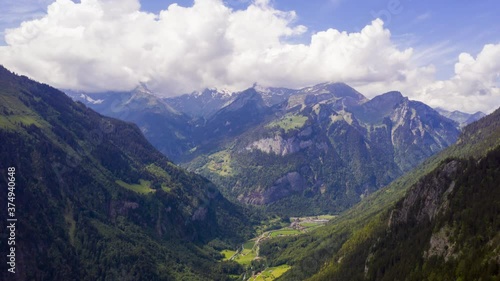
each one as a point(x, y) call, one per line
point(249, 251)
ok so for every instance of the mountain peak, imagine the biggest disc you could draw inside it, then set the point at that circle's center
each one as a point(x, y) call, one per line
point(389, 99)
point(392, 95)
point(249, 95)
point(213, 93)
point(337, 89)
point(142, 87)
point(249, 98)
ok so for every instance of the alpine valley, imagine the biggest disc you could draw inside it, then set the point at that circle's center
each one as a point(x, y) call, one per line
point(315, 150)
point(318, 183)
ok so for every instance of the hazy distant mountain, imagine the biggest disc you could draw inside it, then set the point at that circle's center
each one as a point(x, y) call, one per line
point(167, 129)
point(320, 150)
point(201, 104)
point(461, 118)
point(206, 103)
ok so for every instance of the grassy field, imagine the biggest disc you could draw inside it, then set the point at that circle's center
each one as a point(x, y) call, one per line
point(285, 232)
point(144, 187)
point(271, 273)
point(246, 257)
point(249, 245)
point(326, 217)
point(13, 121)
point(157, 171)
point(220, 163)
point(289, 122)
point(248, 251)
point(310, 224)
point(228, 254)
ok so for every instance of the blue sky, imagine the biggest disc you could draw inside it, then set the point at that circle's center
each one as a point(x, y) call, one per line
point(445, 53)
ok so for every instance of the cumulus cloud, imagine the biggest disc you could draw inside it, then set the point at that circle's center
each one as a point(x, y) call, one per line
point(102, 45)
point(475, 85)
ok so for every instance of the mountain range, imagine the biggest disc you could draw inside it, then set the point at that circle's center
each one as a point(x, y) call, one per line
point(319, 149)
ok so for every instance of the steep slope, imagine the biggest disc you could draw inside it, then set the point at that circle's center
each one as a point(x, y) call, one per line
point(95, 201)
point(438, 222)
point(168, 130)
point(323, 150)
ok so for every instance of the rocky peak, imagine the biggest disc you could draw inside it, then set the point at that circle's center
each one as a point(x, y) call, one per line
point(213, 93)
point(335, 90)
point(390, 98)
point(246, 98)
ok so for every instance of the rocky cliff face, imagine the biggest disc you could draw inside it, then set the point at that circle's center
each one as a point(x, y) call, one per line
point(417, 132)
point(428, 198)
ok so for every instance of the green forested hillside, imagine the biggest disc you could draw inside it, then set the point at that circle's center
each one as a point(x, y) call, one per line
point(95, 201)
point(438, 222)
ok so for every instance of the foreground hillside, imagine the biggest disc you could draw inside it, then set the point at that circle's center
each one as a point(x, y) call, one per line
point(95, 201)
point(438, 222)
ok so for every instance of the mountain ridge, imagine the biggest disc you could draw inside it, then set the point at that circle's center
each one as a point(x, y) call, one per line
point(323, 127)
point(367, 142)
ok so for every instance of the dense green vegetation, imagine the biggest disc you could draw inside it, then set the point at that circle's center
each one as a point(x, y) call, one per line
point(96, 201)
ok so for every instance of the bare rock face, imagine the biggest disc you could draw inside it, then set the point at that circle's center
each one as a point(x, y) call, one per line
point(417, 132)
point(427, 198)
point(440, 245)
point(283, 187)
point(278, 145)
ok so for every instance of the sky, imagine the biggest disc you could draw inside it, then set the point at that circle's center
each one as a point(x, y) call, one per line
point(445, 53)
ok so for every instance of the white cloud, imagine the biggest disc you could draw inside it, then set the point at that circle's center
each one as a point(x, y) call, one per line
point(100, 45)
point(475, 85)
